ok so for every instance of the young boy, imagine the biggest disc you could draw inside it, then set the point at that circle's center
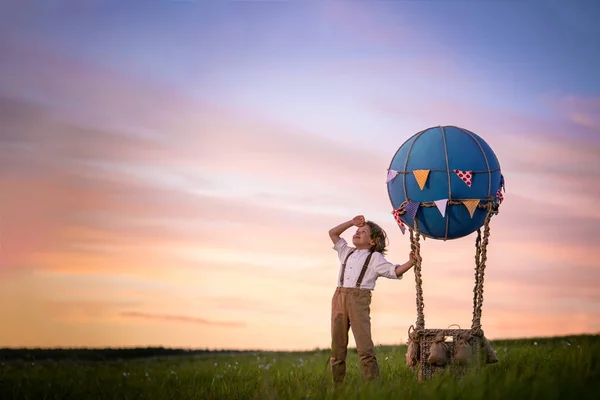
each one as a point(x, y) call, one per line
point(361, 265)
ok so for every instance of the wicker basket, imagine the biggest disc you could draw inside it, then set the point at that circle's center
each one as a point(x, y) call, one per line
point(426, 370)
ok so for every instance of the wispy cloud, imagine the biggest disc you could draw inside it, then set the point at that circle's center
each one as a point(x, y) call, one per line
point(84, 310)
point(179, 318)
point(105, 186)
point(579, 109)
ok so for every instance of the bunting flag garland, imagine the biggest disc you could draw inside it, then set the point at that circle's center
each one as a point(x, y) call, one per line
point(421, 176)
point(471, 205)
point(411, 209)
point(396, 214)
point(466, 176)
point(391, 175)
point(499, 196)
point(441, 205)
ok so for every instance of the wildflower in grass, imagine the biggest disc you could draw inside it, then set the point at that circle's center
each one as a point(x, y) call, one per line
point(535, 343)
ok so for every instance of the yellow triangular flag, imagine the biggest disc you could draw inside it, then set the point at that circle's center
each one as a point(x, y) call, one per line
point(471, 205)
point(421, 176)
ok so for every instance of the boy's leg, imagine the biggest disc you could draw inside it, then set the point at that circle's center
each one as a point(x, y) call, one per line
point(360, 321)
point(339, 335)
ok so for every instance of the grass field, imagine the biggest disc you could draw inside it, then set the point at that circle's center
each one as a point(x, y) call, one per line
point(546, 368)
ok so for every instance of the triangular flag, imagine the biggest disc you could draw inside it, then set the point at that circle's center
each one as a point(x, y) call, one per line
point(391, 175)
point(466, 176)
point(499, 196)
point(471, 205)
point(411, 209)
point(502, 183)
point(396, 214)
point(421, 176)
point(441, 205)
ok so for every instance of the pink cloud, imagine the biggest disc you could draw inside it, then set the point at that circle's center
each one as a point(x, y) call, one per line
point(581, 110)
point(179, 318)
point(83, 310)
point(88, 204)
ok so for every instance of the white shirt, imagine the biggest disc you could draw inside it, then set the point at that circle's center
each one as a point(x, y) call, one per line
point(378, 266)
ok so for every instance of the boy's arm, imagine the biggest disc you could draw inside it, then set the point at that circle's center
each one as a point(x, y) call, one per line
point(389, 270)
point(401, 269)
point(336, 231)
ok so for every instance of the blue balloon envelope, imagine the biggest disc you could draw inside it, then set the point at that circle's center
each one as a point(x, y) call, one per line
point(444, 176)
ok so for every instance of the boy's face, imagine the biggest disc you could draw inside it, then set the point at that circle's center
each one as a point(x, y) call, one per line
point(362, 238)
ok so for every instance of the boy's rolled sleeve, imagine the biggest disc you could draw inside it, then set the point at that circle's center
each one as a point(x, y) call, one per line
point(342, 249)
point(384, 268)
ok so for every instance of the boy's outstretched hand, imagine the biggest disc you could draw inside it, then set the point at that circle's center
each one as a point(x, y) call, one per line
point(412, 258)
point(358, 221)
point(401, 269)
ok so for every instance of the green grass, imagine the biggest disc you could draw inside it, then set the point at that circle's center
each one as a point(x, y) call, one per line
point(548, 368)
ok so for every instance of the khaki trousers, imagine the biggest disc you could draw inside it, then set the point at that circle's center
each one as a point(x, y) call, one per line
point(350, 308)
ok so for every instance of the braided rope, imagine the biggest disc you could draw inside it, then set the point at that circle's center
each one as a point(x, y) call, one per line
point(416, 248)
point(481, 258)
point(483, 171)
point(482, 261)
point(477, 277)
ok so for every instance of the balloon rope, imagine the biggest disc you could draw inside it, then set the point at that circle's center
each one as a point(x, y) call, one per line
point(416, 248)
point(483, 171)
point(480, 259)
point(486, 205)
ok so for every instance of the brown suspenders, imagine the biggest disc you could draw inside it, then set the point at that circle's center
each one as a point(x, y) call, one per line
point(362, 272)
point(344, 267)
point(364, 269)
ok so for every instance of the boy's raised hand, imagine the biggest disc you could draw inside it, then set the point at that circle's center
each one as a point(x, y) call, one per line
point(359, 220)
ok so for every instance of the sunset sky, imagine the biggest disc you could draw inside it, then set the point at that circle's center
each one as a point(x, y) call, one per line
point(169, 169)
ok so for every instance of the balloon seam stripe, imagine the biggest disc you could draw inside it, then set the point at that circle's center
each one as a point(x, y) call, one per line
point(448, 172)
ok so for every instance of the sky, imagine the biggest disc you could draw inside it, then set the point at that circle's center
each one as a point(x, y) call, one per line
point(169, 170)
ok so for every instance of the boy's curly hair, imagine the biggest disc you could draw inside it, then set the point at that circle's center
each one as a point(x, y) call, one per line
point(379, 236)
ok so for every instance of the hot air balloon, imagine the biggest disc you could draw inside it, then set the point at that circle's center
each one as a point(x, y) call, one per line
point(445, 183)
